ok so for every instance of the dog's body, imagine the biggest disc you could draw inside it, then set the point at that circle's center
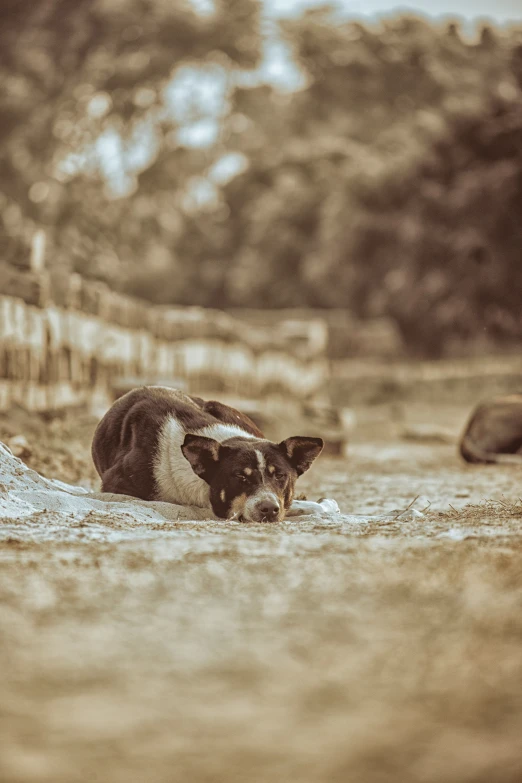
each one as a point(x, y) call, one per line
point(493, 433)
point(157, 443)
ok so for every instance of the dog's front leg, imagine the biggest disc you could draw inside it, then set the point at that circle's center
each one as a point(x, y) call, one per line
point(301, 508)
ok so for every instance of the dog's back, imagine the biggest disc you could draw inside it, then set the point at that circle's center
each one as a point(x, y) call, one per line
point(127, 439)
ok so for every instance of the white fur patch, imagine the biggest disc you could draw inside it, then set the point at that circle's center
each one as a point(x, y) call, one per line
point(221, 432)
point(222, 495)
point(175, 479)
point(261, 464)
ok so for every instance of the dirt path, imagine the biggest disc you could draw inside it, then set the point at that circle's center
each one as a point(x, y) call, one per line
point(384, 649)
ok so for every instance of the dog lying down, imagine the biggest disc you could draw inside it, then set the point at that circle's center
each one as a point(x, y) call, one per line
point(157, 443)
point(493, 433)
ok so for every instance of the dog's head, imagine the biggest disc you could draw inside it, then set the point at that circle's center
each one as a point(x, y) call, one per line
point(249, 479)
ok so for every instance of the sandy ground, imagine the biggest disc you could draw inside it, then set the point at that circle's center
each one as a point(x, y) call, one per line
point(384, 649)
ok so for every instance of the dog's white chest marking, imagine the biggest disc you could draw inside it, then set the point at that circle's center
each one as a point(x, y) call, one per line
point(175, 479)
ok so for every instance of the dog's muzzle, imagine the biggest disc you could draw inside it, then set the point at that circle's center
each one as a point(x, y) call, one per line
point(262, 508)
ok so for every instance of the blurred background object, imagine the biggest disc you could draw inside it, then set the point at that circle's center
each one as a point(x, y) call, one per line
point(343, 186)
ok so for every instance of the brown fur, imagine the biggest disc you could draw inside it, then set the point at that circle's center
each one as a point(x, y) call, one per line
point(122, 449)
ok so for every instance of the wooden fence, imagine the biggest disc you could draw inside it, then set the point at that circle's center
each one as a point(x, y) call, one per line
point(70, 343)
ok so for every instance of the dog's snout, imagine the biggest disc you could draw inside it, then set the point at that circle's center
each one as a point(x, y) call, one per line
point(268, 508)
point(265, 507)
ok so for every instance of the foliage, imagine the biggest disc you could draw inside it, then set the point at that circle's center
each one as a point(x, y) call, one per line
point(390, 183)
point(456, 225)
point(71, 70)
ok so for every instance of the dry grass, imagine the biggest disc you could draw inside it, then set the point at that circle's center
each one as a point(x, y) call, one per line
point(497, 510)
point(387, 652)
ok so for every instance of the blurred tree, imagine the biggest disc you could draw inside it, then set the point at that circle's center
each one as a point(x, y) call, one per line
point(315, 219)
point(70, 69)
point(455, 225)
point(388, 182)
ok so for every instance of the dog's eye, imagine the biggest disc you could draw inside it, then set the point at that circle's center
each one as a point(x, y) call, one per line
point(280, 476)
point(241, 477)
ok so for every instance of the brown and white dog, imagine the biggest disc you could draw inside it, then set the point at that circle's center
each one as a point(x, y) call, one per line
point(157, 443)
point(493, 433)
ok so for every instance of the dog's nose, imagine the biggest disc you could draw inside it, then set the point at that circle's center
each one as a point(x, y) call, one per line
point(268, 509)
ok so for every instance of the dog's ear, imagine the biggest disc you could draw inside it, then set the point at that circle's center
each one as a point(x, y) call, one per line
point(301, 452)
point(203, 455)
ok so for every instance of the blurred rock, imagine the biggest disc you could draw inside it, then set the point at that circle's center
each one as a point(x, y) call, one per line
point(20, 447)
